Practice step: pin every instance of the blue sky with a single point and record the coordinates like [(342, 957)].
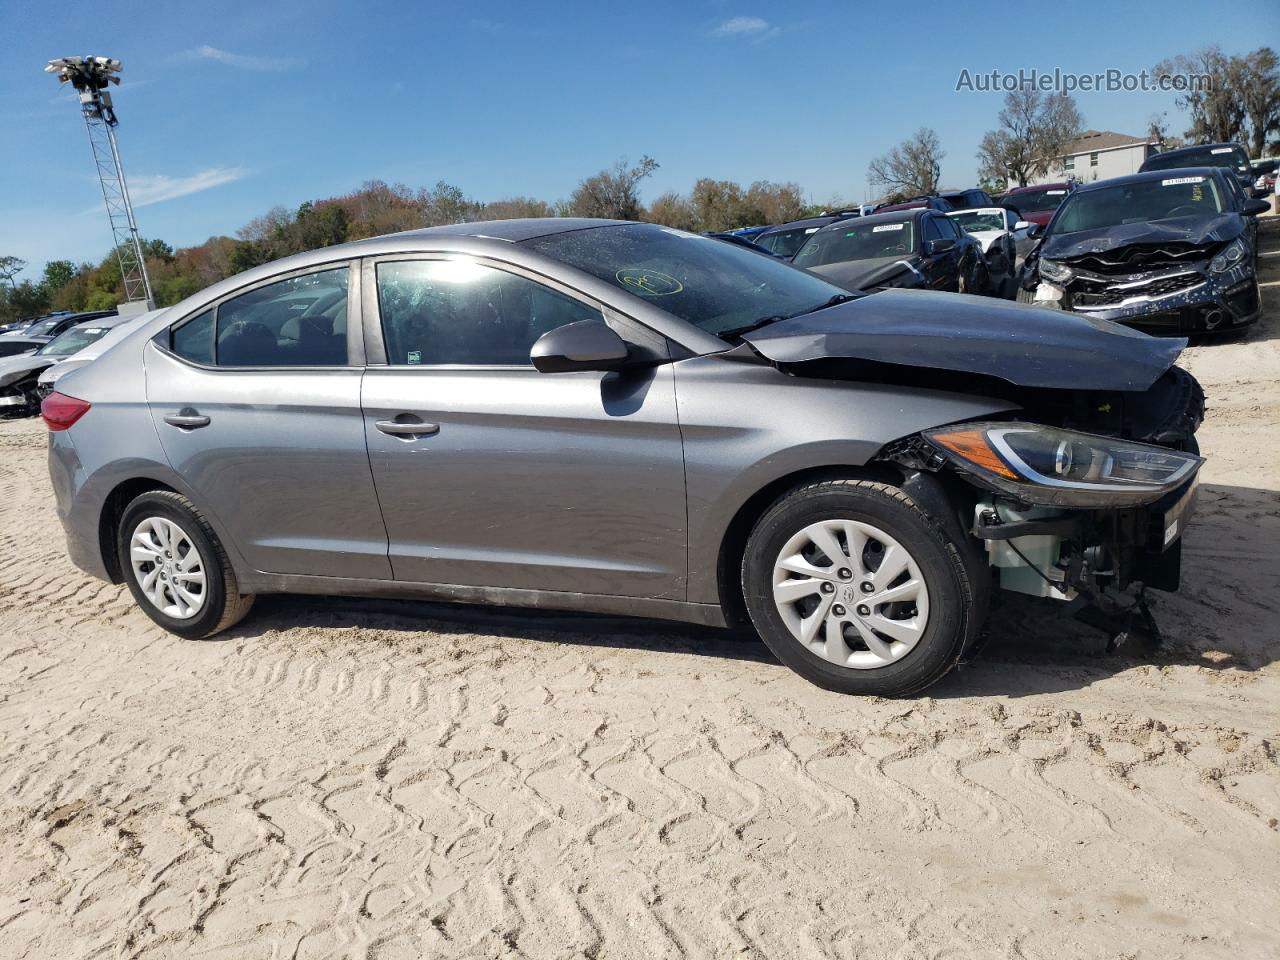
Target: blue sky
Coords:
[(230, 108)]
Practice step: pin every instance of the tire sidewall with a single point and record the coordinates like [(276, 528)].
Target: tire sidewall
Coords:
[(172, 508), (940, 565)]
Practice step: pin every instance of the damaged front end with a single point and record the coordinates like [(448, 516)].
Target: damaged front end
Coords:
[(1203, 283), (1091, 518), (1083, 492)]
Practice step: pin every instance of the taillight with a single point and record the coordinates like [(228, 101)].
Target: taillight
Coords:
[(60, 411)]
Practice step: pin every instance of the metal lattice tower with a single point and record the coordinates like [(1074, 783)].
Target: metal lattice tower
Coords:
[(90, 77)]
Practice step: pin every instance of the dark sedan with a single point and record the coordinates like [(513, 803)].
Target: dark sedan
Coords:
[(1164, 251), (918, 248)]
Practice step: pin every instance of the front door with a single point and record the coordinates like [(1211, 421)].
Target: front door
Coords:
[(258, 408), (492, 474)]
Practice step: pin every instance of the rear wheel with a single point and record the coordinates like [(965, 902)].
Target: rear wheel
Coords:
[(176, 568), (857, 589)]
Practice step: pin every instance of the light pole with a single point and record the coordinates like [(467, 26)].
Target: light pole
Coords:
[(90, 76)]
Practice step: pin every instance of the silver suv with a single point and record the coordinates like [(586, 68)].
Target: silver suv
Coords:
[(617, 417)]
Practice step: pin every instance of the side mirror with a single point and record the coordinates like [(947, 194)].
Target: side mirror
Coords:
[(1023, 225), (1254, 207), (585, 345), (941, 245)]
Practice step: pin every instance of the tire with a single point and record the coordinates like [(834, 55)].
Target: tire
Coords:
[(163, 519), (981, 280), (1025, 296), (942, 615)]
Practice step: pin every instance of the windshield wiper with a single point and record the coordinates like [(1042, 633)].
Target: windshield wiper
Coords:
[(765, 321), (753, 325)]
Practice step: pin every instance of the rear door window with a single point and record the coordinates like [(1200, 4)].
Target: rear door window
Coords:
[(193, 340)]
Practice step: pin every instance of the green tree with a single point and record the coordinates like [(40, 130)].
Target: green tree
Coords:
[(10, 267), (57, 274)]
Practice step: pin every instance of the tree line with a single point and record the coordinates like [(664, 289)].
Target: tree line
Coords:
[(1242, 103)]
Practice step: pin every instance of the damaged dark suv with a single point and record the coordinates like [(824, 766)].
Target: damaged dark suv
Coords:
[(1164, 251), (628, 419)]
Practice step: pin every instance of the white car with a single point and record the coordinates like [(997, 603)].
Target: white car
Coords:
[(1004, 242), (119, 330)]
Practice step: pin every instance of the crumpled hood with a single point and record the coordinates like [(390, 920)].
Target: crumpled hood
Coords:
[(1026, 346), (859, 274), (1197, 231), (13, 369)]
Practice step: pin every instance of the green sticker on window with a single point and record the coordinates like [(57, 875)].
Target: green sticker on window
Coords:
[(649, 283), (415, 356)]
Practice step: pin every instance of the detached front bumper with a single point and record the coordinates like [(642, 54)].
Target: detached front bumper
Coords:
[(1183, 299)]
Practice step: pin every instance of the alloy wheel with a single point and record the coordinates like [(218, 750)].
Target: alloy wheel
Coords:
[(851, 594), (168, 568)]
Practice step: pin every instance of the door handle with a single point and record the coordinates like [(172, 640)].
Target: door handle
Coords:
[(186, 419), (414, 428)]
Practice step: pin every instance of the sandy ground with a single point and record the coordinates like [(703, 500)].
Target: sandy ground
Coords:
[(349, 778)]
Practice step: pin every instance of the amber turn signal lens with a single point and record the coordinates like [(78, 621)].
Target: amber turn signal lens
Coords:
[(973, 446)]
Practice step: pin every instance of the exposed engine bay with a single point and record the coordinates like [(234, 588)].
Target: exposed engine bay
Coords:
[(1082, 492)]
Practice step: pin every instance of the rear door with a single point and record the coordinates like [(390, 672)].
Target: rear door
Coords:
[(490, 473), (256, 400)]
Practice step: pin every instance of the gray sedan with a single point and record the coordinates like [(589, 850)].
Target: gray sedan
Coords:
[(615, 417)]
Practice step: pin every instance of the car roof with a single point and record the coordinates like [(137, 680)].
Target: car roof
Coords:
[(1061, 185), (513, 231), (802, 224), (893, 216), (1197, 147), (1149, 175)]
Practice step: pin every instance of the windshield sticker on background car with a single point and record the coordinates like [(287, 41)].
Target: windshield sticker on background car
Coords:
[(1176, 181), (1221, 150), (1055, 193), (883, 227), (649, 283)]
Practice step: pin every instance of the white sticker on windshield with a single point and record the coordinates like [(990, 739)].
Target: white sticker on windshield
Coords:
[(1178, 180), (887, 226), (1055, 193), (1221, 150), (812, 229)]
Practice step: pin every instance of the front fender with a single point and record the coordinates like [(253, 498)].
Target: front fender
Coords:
[(748, 426)]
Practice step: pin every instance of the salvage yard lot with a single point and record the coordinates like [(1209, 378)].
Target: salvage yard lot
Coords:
[(348, 777)]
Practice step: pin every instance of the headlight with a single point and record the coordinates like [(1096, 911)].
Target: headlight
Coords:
[(1046, 465), (1232, 254), (1057, 272)]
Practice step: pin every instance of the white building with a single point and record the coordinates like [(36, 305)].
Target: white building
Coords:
[(1097, 155)]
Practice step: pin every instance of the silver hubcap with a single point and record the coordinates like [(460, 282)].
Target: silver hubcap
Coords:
[(168, 568), (851, 594)]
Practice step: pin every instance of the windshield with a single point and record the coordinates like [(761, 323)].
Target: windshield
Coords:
[(785, 243), (857, 241), (1202, 157), (1139, 202), (974, 221), (1037, 201), (713, 285), (43, 328), (73, 341)]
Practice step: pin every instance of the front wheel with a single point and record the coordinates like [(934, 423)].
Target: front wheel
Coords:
[(176, 568), (852, 585)]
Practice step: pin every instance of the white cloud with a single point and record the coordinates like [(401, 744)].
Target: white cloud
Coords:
[(741, 27), (147, 189), (238, 60)]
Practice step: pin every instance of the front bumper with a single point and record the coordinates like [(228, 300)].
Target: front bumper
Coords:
[(1183, 299)]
